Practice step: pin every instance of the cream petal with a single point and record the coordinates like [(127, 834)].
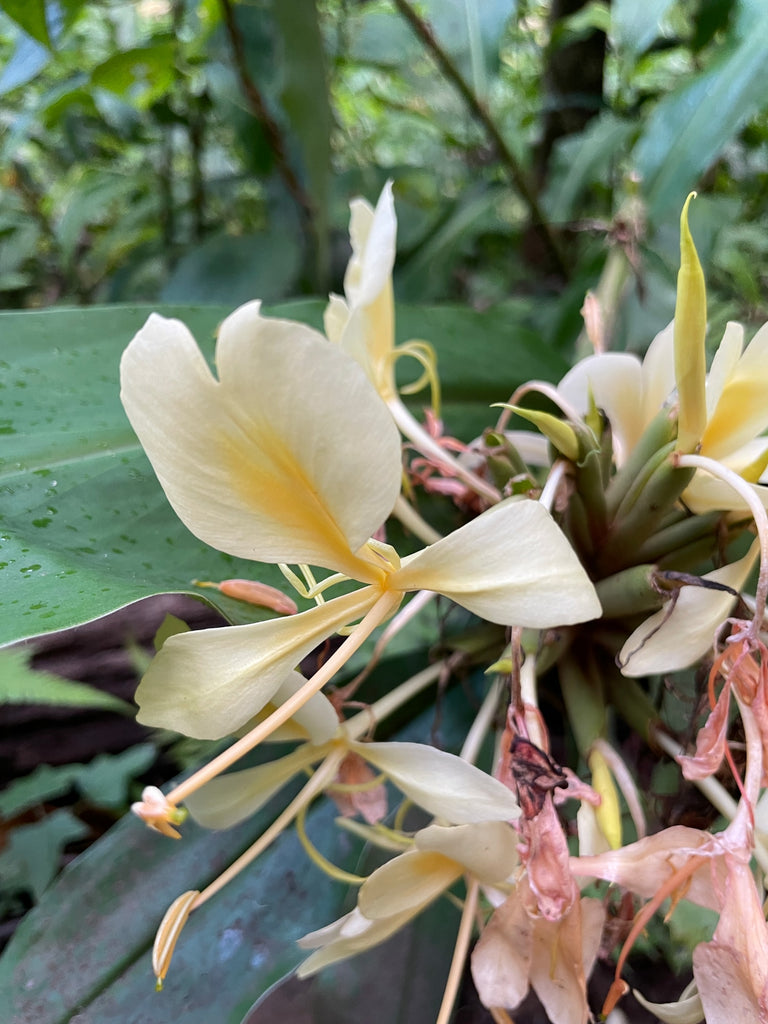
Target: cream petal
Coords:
[(360, 221), (511, 565), (209, 682), (669, 641), (335, 318), (346, 453), (487, 849), (742, 411), (442, 783), (407, 883), (369, 338), (687, 1009), (317, 716), (316, 720), (265, 463), (615, 381), (532, 448), (372, 234), (346, 937), (724, 363), (707, 493), (229, 799), (744, 460), (354, 343), (658, 372)]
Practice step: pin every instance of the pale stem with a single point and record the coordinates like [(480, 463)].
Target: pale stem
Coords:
[(390, 702), (482, 723), (325, 773), (412, 521), (460, 950), (413, 430), (555, 478), (541, 387), (745, 491), (373, 618), (529, 698)]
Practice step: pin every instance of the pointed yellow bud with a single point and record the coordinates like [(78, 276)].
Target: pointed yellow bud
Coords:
[(608, 814), (690, 328)]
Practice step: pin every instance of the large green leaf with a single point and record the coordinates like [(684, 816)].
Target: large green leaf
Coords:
[(84, 525), (403, 979), (84, 954), (86, 949)]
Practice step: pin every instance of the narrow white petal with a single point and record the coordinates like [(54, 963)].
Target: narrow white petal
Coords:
[(350, 935), (669, 641), (687, 1010), (706, 493), (511, 565), (659, 373), (210, 682), (229, 799), (335, 318), (266, 463), (742, 411), (533, 448), (442, 783), (724, 362), (373, 234)]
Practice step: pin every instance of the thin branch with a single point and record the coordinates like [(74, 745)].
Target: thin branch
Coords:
[(260, 112), (519, 178)]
